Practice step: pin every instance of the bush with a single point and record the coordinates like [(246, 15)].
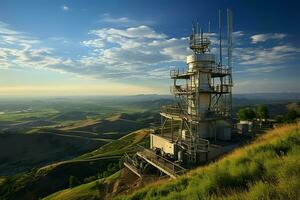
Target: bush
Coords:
[(291, 116), (90, 179), (246, 114)]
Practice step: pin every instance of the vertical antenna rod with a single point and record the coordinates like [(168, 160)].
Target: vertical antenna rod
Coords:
[(209, 32), (229, 38), (220, 37)]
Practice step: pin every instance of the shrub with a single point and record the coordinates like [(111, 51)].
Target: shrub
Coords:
[(246, 114)]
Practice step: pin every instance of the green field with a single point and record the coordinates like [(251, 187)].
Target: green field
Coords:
[(51, 130)]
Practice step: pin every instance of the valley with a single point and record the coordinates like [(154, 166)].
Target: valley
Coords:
[(50, 142)]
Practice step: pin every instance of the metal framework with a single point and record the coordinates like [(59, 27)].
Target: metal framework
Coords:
[(201, 113), (139, 162), (202, 94)]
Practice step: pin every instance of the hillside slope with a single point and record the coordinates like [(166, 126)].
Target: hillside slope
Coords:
[(104, 188), (51, 178), (269, 168), (38, 149)]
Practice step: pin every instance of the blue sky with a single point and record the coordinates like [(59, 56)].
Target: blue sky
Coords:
[(112, 47)]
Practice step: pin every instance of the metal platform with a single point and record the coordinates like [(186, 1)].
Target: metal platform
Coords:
[(162, 164)]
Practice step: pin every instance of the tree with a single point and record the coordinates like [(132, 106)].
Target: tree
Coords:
[(262, 112), (291, 116), (246, 114), (73, 181)]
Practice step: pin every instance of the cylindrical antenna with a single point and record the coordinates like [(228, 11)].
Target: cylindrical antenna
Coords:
[(220, 37)]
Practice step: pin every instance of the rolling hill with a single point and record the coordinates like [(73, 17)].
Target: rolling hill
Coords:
[(54, 177), (38, 149), (44, 143), (268, 168)]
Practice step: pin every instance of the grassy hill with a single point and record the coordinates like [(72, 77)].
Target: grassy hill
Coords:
[(44, 143), (119, 147), (269, 168), (85, 191), (22, 152), (52, 178)]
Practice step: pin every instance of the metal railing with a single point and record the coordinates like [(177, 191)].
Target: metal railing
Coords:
[(220, 70), (215, 69), (202, 145), (181, 89), (222, 88), (171, 109), (161, 162), (179, 72), (197, 41)]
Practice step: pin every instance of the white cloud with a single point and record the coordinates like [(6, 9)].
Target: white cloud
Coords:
[(18, 50), (132, 32), (136, 53), (265, 56), (253, 58), (65, 8), (132, 52), (5, 30), (267, 69), (109, 19), (263, 85), (122, 21), (268, 36)]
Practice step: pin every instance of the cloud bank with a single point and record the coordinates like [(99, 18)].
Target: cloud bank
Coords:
[(138, 53)]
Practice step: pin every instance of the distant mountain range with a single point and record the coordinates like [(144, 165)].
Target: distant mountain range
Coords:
[(271, 96)]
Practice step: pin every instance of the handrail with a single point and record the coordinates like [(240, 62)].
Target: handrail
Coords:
[(172, 109), (157, 160), (214, 69)]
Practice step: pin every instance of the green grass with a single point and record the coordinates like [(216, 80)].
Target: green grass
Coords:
[(54, 177), (2, 179), (84, 191), (267, 169), (120, 146), (15, 117)]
